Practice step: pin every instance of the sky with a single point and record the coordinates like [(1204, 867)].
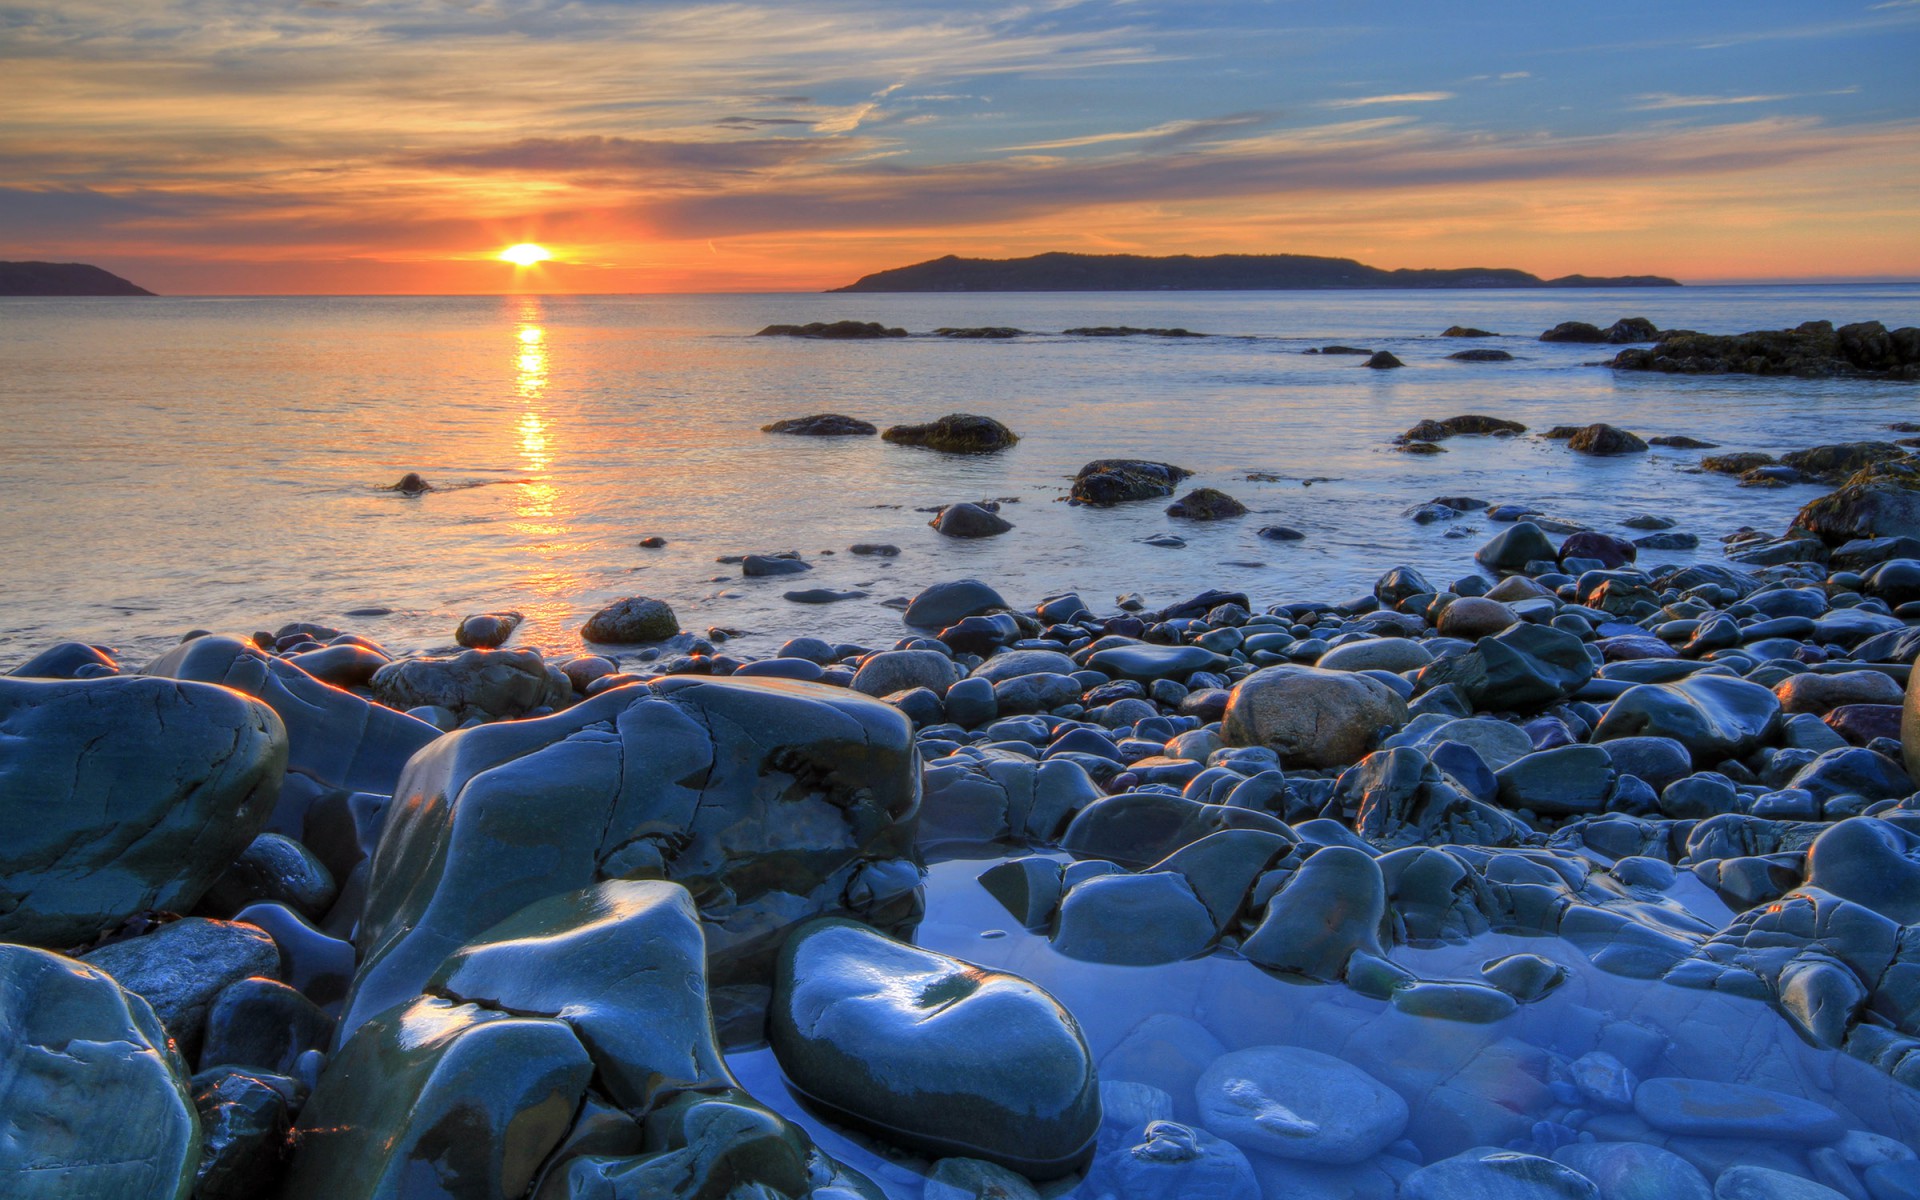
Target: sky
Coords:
[(396, 146)]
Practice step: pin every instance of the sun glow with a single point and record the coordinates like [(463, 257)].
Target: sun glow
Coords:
[(525, 254)]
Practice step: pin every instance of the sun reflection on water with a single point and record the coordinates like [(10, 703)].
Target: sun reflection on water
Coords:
[(541, 514)]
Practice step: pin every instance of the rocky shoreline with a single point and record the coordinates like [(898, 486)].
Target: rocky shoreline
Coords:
[(1568, 877)]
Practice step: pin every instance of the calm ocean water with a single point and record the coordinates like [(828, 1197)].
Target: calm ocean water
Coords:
[(180, 463)]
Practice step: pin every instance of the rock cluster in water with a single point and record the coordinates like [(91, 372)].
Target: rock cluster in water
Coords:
[(310, 920), (1814, 350)]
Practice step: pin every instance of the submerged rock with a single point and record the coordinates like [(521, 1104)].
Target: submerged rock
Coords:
[(932, 1054), (1206, 504), (1603, 440), (822, 425), (1299, 1104)]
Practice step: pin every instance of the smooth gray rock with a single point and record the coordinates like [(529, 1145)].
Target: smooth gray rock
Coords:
[(122, 794), (1871, 862), (1525, 667), (1138, 920), (1146, 663), (1716, 717), (333, 736), (943, 604), (772, 801), (438, 1099), (180, 967), (931, 1054), (623, 963), (893, 671), (489, 684), (1310, 717), (1301, 1104), (1566, 781), (276, 869), (96, 1105), (1331, 908), (969, 521)]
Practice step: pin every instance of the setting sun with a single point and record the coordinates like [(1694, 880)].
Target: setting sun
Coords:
[(525, 254)]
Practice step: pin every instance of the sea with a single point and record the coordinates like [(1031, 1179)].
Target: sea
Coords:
[(173, 464), (227, 463)]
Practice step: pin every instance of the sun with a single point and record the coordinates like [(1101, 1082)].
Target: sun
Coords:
[(525, 254)]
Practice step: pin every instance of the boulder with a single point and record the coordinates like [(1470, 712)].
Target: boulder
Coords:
[(1328, 911), (956, 433), (1878, 501), (1604, 440), (635, 619), (1206, 504), (1469, 423), (623, 963), (123, 793), (487, 631), (183, 965), (490, 684), (1716, 717), (1512, 549), (772, 801), (834, 330), (334, 737), (96, 1100), (931, 1054), (1109, 481), (1312, 717), (1139, 920), (822, 425), (438, 1098), (1575, 331), (944, 604), (1524, 667), (893, 671), (969, 521)]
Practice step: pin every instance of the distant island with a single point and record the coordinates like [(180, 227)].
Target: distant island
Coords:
[(63, 279), (1187, 273)]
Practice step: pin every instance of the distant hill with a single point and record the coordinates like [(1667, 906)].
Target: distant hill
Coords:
[(1186, 273), (63, 279)]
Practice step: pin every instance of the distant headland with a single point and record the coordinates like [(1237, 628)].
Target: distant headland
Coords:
[(1220, 272), (63, 279)]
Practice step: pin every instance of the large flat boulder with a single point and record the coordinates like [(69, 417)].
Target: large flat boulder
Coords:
[(123, 794), (772, 801)]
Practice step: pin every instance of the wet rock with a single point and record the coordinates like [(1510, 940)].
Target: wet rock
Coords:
[(822, 425), (1299, 1104), (1575, 331), (435, 1090), (1527, 666), (1562, 782), (1610, 551), (1715, 717), (1511, 550), (1206, 504), (1466, 331), (1813, 350), (489, 684), (1870, 862), (1382, 360), (892, 671), (623, 963), (1147, 663), (1481, 356), (487, 631), (944, 604), (834, 330), (765, 566), (68, 660), (97, 1106), (1474, 617), (264, 1025), (1399, 798), (1109, 481), (182, 966), (956, 433), (772, 801), (1312, 717), (1605, 440), (1470, 423), (1820, 694), (1140, 920), (1138, 829), (1749, 1182), (634, 619), (1879, 501), (969, 521), (124, 794), (244, 1121), (1328, 911), (931, 1054)]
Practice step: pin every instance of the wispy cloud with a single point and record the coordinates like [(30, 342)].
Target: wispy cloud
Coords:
[(1395, 98), (1658, 101), (1168, 131)]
